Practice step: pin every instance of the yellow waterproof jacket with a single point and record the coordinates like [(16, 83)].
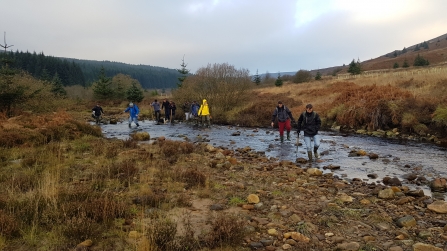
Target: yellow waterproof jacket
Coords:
[(204, 109)]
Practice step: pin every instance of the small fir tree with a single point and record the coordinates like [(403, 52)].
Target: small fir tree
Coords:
[(405, 65), (404, 50), (318, 76), (417, 48), (57, 87), (278, 81), (420, 61), (256, 78), (354, 67), (396, 65), (134, 94), (102, 88), (184, 73)]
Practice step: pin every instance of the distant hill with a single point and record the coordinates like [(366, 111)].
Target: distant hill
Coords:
[(150, 77), (436, 53)]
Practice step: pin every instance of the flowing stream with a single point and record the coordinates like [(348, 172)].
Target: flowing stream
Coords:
[(396, 158)]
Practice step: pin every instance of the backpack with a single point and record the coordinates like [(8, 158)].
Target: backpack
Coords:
[(305, 117)]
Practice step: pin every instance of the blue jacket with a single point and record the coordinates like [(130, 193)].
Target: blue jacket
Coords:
[(194, 109), (134, 111)]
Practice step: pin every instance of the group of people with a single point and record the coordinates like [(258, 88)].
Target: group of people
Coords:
[(192, 110), (309, 121), (167, 106)]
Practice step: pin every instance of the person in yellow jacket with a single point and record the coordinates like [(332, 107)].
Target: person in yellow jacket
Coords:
[(204, 112)]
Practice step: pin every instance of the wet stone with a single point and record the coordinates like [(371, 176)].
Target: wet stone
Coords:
[(256, 245), (216, 207), (266, 242), (406, 221)]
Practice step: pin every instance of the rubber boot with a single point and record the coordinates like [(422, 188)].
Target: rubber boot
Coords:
[(288, 135), (309, 154), (281, 138), (317, 156)]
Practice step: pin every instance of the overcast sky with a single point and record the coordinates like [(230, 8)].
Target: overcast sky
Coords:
[(264, 35)]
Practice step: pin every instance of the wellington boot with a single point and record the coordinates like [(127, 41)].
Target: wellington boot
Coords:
[(281, 138), (317, 156), (288, 136), (309, 154)]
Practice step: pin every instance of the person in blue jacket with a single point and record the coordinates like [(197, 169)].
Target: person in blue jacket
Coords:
[(133, 114)]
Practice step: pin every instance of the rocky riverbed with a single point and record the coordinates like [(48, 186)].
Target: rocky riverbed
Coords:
[(372, 195)]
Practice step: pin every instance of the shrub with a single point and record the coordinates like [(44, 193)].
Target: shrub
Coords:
[(302, 76), (140, 136), (440, 115), (124, 170), (409, 120), (8, 225), (226, 230), (79, 228), (130, 143), (162, 233), (193, 178), (152, 199), (420, 129)]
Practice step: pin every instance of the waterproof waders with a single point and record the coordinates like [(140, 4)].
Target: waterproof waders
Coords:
[(309, 154), (317, 156)]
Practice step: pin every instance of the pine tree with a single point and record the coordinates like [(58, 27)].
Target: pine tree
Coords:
[(11, 92), (184, 73), (425, 45), (134, 94), (405, 65), (57, 86), (396, 65), (395, 54), (417, 48), (45, 76), (404, 50), (256, 78), (318, 76), (278, 81), (102, 89), (420, 61), (354, 68)]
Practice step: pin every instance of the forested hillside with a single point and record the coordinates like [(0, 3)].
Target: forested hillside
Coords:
[(46, 67), (85, 72), (150, 77)]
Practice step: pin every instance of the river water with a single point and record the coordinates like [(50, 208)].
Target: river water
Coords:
[(396, 158)]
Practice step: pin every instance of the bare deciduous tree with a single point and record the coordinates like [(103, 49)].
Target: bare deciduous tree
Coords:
[(221, 84)]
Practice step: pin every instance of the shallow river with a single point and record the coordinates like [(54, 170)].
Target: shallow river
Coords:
[(396, 158)]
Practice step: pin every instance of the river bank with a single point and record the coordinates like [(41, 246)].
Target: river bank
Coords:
[(338, 202)]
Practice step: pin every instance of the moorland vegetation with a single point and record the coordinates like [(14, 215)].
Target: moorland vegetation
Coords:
[(66, 186)]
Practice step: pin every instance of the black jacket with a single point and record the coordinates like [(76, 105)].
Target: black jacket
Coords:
[(98, 110), (310, 123)]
